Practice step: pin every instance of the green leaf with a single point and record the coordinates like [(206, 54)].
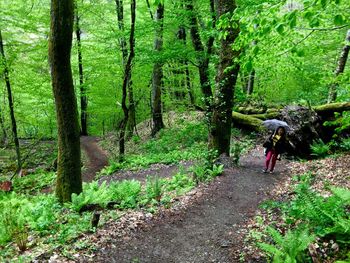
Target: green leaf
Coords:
[(338, 20), (249, 66), (323, 3), (280, 29), (293, 22), (308, 15)]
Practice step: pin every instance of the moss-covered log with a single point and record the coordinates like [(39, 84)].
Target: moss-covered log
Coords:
[(246, 121), (329, 109), (267, 115)]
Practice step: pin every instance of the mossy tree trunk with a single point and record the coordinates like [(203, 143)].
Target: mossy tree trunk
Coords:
[(83, 95), (157, 75), (226, 77), (68, 166), (10, 101)]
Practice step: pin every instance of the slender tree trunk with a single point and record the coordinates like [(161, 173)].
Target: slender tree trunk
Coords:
[(60, 44), (202, 55), (3, 137), (10, 101), (332, 96), (244, 81), (250, 84), (226, 77), (182, 36), (131, 124), (157, 75), (83, 95), (126, 80)]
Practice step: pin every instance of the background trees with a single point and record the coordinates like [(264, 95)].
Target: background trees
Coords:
[(297, 48)]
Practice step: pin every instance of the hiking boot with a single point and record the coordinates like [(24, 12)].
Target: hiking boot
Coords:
[(271, 172), (264, 171)]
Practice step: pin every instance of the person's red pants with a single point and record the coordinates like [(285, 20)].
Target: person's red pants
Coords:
[(271, 156)]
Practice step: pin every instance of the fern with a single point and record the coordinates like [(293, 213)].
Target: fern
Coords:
[(289, 248), (320, 149)]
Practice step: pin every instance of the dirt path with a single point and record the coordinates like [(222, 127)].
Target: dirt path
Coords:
[(97, 158), (209, 230)]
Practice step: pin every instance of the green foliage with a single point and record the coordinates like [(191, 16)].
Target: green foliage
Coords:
[(34, 182), (288, 248), (320, 149), (309, 215), (126, 193), (180, 182), (185, 141), (154, 188), (345, 144), (240, 147), (93, 193), (203, 174)]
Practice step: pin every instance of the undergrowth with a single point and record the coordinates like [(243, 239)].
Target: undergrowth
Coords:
[(186, 141), (309, 221), (48, 222)]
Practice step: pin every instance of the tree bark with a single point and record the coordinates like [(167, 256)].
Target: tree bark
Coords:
[(157, 75), (332, 96), (10, 101), (131, 124), (83, 95), (126, 80), (203, 57), (226, 77), (60, 44)]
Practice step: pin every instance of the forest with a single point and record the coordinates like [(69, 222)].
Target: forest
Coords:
[(150, 131)]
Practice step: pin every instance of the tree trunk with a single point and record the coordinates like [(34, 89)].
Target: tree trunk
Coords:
[(60, 44), (126, 80), (131, 124), (221, 121), (332, 96), (10, 101), (250, 84), (83, 95), (3, 137), (181, 34), (157, 75), (202, 56)]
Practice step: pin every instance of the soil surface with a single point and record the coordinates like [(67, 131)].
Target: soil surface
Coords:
[(96, 156), (209, 229)]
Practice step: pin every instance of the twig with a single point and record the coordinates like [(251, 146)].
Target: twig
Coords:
[(323, 29), (286, 51)]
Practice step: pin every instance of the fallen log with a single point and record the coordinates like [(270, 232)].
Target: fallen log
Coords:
[(306, 123), (325, 111), (329, 109), (247, 122)]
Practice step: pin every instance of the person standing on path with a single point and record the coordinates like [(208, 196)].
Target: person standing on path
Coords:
[(275, 145)]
